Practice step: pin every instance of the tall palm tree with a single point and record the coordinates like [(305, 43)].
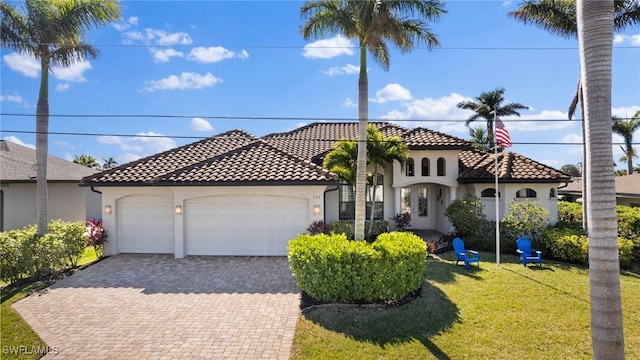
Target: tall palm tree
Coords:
[(342, 160), (595, 19), (480, 139), (51, 31), (87, 160), (380, 153), (109, 163), (373, 23), (626, 130), (560, 18), (485, 105)]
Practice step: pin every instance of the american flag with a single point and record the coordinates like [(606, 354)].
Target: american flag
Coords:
[(502, 134)]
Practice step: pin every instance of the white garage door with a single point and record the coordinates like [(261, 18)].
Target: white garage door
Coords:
[(243, 225), (145, 224)]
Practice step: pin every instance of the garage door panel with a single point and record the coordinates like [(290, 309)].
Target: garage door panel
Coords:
[(145, 224), (243, 225)]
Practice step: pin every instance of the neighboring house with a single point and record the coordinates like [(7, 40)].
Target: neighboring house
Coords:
[(627, 190), (67, 200), (235, 194)]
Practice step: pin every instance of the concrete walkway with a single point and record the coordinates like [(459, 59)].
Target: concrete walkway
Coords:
[(159, 307)]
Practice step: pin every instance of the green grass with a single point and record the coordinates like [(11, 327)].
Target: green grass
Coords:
[(488, 313), (14, 331)]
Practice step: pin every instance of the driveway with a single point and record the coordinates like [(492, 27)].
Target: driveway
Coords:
[(158, 307)]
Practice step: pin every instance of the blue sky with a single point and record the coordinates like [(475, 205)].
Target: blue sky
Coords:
[(222, 65)]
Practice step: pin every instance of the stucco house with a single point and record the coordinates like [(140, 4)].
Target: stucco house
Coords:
[(627, 190), (236, 194), (67, 200)]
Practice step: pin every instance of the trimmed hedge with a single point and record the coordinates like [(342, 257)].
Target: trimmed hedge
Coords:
[(23, 254), (330, 268)]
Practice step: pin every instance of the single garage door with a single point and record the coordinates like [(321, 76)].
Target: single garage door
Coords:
[(243, 225), (145, 224)]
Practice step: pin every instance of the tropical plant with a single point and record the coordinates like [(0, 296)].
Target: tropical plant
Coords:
[(373, 23), (86, 160), (626, 130), (109, 163), (97, 236), (527, 218), (381, 153), (488, 105), (480, 139), (342, 160), (572, 170), (595, 19), (51, 31)]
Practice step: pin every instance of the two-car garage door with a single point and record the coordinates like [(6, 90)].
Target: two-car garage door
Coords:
[(243, 224), (217, 225)]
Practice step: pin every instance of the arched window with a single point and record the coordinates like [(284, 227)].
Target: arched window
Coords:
[(410, 167), (552, 193), (442, 167), (526, 193), (489, 193), (426, 164)]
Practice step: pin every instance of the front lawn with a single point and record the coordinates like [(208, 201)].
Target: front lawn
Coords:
[(488, 313), (18, 340)]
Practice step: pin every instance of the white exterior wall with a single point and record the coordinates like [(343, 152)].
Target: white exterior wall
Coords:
[(508, 194), (110, 195), (67, 201)]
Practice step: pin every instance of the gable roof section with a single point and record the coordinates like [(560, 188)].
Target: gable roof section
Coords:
[(477, 166), (257, 162), (146, 170), (18, 164), (425, 139)]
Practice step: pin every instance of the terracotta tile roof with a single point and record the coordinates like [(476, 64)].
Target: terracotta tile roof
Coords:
[(258, 162), (425, 139), (478, 166), (18, 164), (146, 170)]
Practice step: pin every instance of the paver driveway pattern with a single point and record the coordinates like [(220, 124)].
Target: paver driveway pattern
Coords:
[(158, 307)]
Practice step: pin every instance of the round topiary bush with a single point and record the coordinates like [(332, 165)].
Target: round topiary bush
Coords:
[(330, 268)]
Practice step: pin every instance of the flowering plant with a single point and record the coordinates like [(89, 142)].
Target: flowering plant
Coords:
[(97, 236)]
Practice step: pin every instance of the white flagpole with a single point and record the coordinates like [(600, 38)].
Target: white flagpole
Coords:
[(497, 193)]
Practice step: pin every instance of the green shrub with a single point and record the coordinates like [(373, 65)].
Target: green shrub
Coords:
[(14, 258), (379, 227), (527, 218), (569, 211), (343, 227), (467, 216), (629, 227), (331, 268)]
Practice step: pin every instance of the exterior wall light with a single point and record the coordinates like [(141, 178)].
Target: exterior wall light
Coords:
[(316, 209), (107, 209), (178, 209)]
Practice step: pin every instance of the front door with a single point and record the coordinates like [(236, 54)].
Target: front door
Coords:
[(415, 201)]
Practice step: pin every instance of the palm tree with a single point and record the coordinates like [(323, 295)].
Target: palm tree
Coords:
[(626, 130), (480, 139), (572, 170), (109, 163), (51, 31), (342, 160), (595, 19), (372, 23), (560, 18), (380, 153), (87, 160), (485, 105)]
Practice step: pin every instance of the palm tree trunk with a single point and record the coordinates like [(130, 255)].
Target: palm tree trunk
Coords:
[(361, 171), (595, 35), (374, 182), (42, 148), (629, 154)]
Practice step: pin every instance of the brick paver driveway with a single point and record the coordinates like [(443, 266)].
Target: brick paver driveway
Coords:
[(159, 307)]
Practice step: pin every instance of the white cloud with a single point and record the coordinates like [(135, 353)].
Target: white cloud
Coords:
[(124, 25), (342, 70), (73, 72), (443, 109), (186, 80), (15, 140), (635, 40), (392, 92), (164, 55), (63, 87), (143, 144), (617, 39), (625, 112), (328, 48), (214, 54), (348, 103), (158, 37), (13, 99), (200, 124), (23, 63)]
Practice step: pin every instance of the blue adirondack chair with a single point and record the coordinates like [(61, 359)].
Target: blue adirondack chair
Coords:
[(466, 256), (527, 254)]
